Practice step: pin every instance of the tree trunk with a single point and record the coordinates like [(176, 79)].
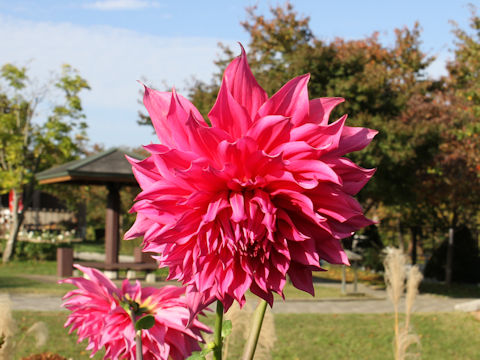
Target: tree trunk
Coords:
[(17, 220), (414, 230), (448, 265), (400, 236)]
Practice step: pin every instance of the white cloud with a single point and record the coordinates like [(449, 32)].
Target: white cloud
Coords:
[(108, 5), (111, 59)]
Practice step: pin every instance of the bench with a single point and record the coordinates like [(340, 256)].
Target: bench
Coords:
[(111, 270), (142, 262)]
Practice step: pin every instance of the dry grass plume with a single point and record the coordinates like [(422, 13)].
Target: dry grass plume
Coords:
[(395, 275), (8, 329)]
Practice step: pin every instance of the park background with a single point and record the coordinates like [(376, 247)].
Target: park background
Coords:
[(410, 70)]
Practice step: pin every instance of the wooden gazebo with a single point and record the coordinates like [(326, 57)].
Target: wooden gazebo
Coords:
[(109, 168)]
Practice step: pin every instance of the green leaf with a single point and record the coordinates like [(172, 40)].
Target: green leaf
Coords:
[(145, 322), (208, 349), (226, 328)]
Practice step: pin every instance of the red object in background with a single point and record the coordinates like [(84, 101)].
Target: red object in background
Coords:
[(10, 202)]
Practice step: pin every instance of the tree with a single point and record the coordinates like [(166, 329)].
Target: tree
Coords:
[(464, 82), (447, 189), (427, 128), (377, 82), (29, 144)]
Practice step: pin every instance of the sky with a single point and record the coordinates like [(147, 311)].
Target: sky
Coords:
[(114, 43)]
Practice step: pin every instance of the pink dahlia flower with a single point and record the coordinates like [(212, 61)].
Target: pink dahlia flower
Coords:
[(263, 193), (98, 315)]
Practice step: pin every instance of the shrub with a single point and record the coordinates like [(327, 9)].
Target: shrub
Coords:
[(35, 251)]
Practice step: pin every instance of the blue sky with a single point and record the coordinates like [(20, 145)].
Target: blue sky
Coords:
[(113, 43)]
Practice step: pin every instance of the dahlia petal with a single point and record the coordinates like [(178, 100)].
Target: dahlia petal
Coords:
[(260, 277), (168, 113), (294, 201), (297, 150), (324, 138), (265, 295), (270, 131), (290, 101), (243, 86), (139, 227), (304, 252), (336, 204), (225, 280), (144, 171), (344, 229), (331, 250), (206, 276), (97, 277), (314, 169), (215, 207), (277, 281), (354, 139), (204, 140), (237, 204), (353, 176), (321, 108), (228, 115), (196, 302), (301, 278), (280, 263)]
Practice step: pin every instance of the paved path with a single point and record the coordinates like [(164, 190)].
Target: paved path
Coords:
[(376, 301), (424, 303)]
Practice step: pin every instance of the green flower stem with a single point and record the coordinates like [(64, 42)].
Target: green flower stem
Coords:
[(138, 335), (217, 335), (257, 322), (138, 347)]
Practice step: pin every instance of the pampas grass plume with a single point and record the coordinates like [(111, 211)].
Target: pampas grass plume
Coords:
[(395, 275), (7, 328)]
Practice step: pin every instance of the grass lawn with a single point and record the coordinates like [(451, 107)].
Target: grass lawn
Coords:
[(368, 336), (40, 277), (310, 336), (33, 277)]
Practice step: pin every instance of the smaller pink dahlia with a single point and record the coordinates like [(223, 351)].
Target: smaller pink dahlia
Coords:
[(99, 315)]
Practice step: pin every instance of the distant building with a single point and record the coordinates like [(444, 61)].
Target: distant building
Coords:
[(46, 213)]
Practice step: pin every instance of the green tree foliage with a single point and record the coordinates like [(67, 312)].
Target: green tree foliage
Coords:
[(376, 81), (36, 132), (455, 112), (464, 82), (427, 150)]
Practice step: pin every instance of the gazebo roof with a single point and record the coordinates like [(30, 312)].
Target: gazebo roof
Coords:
[(107, 167)]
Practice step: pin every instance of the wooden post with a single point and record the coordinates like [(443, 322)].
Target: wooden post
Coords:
[(142, 257), (112, 235), (64, 262), (448, 266), (344, 279)]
